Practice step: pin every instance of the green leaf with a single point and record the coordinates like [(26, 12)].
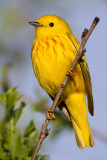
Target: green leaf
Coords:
[(8, 116), (37, 157), (44, 156), (30, 128), (2, 155), (30, 142), (11, 96), (32, 139), (40, 157), (18, 112), (22, 104), (3, 99), (14, 145), (5, 70), (27, 158)]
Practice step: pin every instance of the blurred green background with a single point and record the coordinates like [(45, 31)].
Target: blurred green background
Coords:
[(16, 38)]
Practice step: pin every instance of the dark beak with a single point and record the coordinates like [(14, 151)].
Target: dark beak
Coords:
[(36, 24)]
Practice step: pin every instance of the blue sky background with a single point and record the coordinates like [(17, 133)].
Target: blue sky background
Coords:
[(16, 37)]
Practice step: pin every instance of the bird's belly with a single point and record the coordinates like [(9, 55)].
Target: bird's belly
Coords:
[(50, 69), (50, 73)]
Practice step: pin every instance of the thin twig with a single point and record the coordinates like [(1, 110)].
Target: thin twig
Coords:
[(100, 135), (44, 131)]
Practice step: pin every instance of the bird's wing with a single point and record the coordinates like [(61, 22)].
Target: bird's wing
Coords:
[(88, 84), (86, 75)]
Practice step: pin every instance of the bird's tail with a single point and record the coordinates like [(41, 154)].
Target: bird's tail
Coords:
[(77, 107), (79, 135)]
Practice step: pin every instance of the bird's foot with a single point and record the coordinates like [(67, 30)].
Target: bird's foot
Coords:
[(50, 116), (70, 73)]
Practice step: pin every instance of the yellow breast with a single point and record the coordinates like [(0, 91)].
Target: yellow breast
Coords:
[(50, 58)]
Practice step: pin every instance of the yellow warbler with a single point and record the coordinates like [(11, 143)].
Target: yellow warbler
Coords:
[(53, 52)]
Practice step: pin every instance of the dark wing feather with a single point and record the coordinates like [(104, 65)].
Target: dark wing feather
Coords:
[(86, 74), (88, 84)]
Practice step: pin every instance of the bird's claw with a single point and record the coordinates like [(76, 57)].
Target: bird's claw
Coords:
[(50, 115), (70, 73)]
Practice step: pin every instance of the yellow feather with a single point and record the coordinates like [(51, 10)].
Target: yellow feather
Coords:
[(79, 118), (53, 51)]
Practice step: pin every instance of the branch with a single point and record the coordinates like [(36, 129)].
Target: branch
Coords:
[(44, 131), (100, 135)]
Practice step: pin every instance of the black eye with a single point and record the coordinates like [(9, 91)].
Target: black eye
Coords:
[(51, 24)]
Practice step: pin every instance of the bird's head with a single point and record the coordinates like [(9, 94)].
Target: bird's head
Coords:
[(50, 25)]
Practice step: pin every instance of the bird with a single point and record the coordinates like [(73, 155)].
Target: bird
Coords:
[(53, 51)]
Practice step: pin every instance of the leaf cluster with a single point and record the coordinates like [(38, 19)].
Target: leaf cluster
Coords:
[(13, 145)]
